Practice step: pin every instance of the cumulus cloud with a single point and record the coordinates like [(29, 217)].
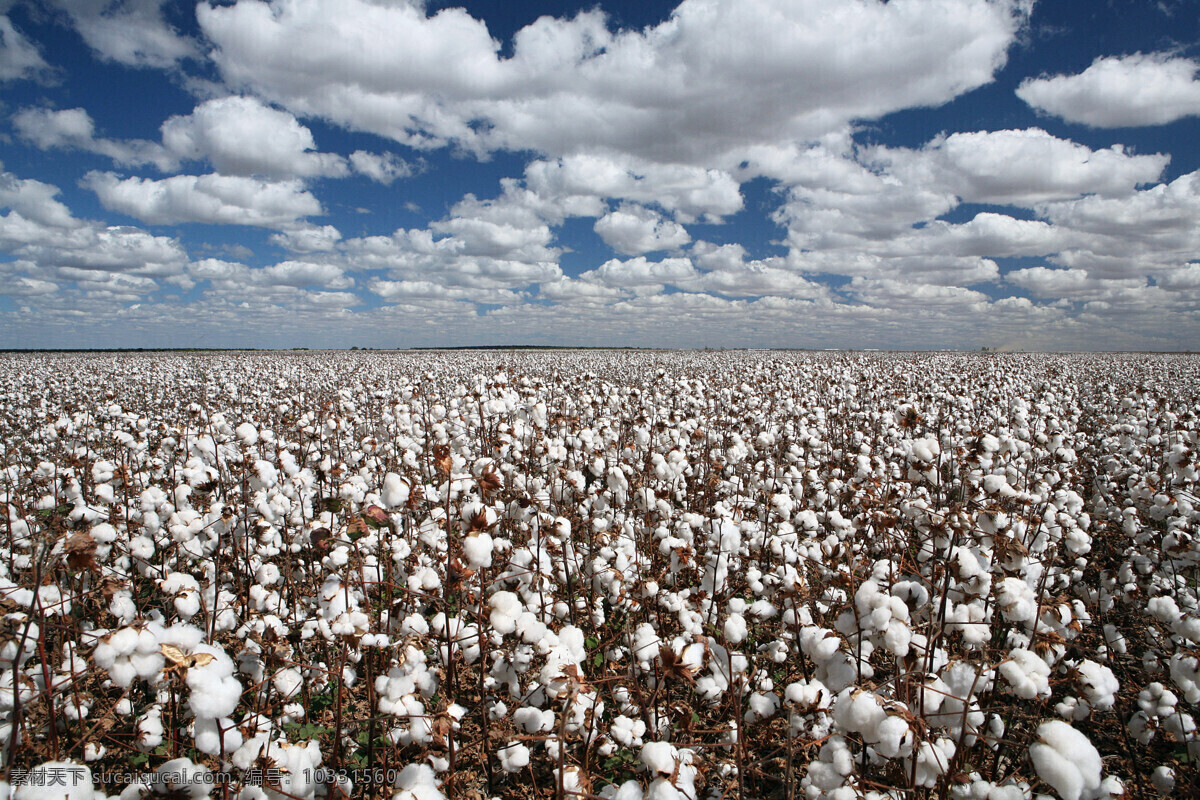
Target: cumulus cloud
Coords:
[(1120, 91), (73, 128), (307, 273), (1019, 167), (19, 57), (381, 167), (242, 136), (678, 92), (578, 183), (633, 229), (308, 239), (130, 32), (213, 199)]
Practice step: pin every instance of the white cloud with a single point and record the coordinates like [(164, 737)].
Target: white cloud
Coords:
[(1120, 91), (241, 136), (474, 261), (214, 199), (682, 91), (576, 183), (1019, 167), (642, 275), (35, 201), (307, 273), (308, 239), (130, 32), (381, 167), (633, 230), (73, 128), (19, 57)]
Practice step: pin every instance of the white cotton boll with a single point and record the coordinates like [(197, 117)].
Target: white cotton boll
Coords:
[(859, 711), (933, 759), (1163, 778), (1099, 684), (1028, 674), (629, 790), (212, 740), (417, 782), (247, 434), (395, 491), (506, 606), (150, 729), (184, 779), (735, 629), (215, 692), (533, 720), (267, 575), (57, 780), (513, 757), (297, 764), (627, 732), (891, 733), (659, 758), (761, 706), (414, 625), (1066, 760), (477, 548), (1017, 600), (288, 682)]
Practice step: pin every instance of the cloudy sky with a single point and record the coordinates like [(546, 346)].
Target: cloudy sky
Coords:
[(763, 173)]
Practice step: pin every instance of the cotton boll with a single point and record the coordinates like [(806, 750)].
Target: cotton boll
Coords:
[(213, 740), (288, 682), (215, 692), (513, 757), (297, 765), (1163, 778), (735, 629), (57, 780), (1066, 760), (659, 758), (477, 548), (417, 782), (505, 608), (395, 491), (1026, 673), (1017, 600), (184, 779), (1098, 683), (247, 434)]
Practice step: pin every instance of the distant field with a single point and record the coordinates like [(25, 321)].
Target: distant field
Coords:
[(627, 574)]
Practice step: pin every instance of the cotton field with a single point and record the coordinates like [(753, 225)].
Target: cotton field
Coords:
[(627, 575)]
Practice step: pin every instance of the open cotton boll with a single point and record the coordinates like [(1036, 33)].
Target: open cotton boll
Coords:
[(297, 764), (1163, 779), (513, 757), (215, 692), (1067, 760), (533, 720), (247, 434), (213, 740), (506, 606), (477, 548), (182, 778), (735, 629), (1026, 673), (417, 782), (1017, 600), (288, 682), (57, 780), (395, 491), (1099, 684)]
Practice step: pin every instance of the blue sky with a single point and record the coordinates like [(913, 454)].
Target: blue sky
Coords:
[(722, 173)]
